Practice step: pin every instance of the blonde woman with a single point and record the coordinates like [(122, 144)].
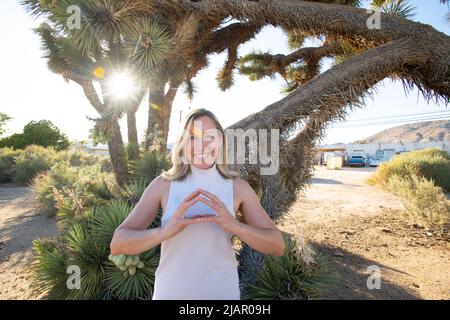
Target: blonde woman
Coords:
[(199, 197)]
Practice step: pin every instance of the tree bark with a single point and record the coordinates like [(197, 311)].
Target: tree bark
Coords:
[(156, 121), (133, 143)]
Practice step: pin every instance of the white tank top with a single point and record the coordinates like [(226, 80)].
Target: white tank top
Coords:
[(199, 262)]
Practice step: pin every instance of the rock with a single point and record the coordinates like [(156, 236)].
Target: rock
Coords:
[(418, 226), (416, 285), (429, 234)]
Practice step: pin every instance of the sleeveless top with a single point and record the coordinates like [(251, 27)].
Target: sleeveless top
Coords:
[(199, 262)]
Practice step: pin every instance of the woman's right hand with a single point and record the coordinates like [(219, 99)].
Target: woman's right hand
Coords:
[(177, 222)]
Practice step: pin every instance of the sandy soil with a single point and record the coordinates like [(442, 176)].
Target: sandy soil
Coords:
[(19, 226), (358, 226)]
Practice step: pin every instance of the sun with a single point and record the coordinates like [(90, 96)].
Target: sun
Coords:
[(121, 86)]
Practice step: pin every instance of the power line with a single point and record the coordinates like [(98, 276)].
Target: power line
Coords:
[(438, 117), (403, 115)]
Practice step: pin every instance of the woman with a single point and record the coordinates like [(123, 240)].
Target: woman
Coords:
[(199, 197)]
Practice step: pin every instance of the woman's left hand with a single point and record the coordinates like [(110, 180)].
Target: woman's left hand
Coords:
[(223, 218)]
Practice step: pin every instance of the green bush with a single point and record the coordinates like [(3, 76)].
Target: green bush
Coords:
[(33, 160), (72, 189), (77, 158), (15, 141), (422, 198), (7, 160), (43, 133), (86, 245), (289, 277), (149, 166), (431, 164)]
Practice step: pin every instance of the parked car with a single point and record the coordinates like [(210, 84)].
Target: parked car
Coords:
[(357, 161), (374, 162)]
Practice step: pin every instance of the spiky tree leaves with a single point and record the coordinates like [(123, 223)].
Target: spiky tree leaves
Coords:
[(400, 8), (84, 247), (290, 277), (49, 266), (137, 286), (151, 48), (89, 255)]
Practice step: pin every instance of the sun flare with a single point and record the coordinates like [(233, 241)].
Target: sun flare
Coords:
[(121, 86)]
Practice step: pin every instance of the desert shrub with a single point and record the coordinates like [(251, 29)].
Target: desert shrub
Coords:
[(422, 198), (31, 161), (7, 160), (432, 164), (291, 276), (86, 245), (78, 158), (65, 186)]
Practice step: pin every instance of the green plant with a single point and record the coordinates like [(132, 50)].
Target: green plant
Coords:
[(290, 277), (78, 158), (49, 266), (43, 133), (7, 160), (31, 161), (134, 190), (149, 165), (429, 163), (73, 187), (86, 245), (422, 198)]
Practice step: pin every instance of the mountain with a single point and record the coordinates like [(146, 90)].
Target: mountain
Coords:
[(425, 131)]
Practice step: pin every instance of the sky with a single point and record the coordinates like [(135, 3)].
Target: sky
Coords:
[(30, 92)]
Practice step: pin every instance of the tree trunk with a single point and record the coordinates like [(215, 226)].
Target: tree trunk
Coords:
[(156, 121), (118, 154), (160, 109), (133, 144), (116, 147)]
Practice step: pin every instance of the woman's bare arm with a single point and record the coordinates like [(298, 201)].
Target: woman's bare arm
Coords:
[(258, 231), (132, 236)]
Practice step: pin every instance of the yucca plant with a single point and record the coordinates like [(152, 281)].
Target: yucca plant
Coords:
[(149, 166), (138, 286), (86, 244), (90, 255), (49, 266), (133, 191), (289, 277)]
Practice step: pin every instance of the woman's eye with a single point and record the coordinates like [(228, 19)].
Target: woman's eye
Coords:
[(209, 138)]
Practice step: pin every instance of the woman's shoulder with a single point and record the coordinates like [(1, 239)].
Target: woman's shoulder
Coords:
[(160, 184), (241, 185)]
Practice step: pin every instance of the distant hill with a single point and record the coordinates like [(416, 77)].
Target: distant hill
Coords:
[(438, 130)]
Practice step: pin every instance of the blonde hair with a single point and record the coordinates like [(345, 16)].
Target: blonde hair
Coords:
[(181, 169)]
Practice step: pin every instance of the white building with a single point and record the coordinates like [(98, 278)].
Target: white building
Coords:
[(382, 151), (87, 146)]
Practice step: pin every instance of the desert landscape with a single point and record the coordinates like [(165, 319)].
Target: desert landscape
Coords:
[(354, 224)]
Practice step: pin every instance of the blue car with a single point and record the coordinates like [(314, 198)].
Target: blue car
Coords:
[(357, 161)]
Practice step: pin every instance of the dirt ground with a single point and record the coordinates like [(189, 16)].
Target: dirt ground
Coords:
[(19, 226), (354, 224), (357, 226)]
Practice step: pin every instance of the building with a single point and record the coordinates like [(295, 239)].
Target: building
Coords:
[(383, 151), (87, 146)]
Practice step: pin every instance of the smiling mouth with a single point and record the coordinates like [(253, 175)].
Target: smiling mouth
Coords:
[(202, 155)]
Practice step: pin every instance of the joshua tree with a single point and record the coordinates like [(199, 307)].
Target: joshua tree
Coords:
[(369, 47)]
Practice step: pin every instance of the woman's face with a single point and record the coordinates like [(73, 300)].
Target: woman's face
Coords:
[(203, 142)]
